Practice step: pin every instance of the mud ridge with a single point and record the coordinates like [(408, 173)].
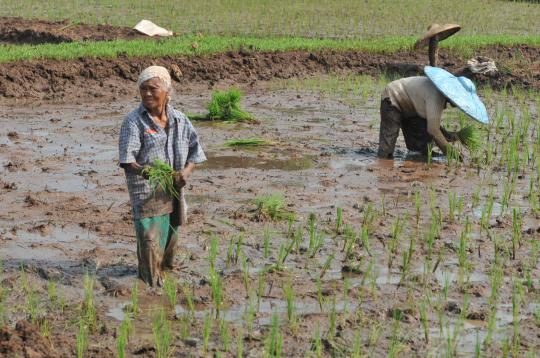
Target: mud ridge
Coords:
[(108, 78), (17, 30)]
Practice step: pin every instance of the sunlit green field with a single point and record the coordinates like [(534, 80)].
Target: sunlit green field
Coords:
[(315, 18)]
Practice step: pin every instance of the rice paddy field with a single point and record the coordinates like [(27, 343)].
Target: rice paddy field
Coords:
[(300, 242)]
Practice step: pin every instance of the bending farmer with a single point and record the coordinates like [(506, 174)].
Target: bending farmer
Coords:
[(156, 131), (415, 105)]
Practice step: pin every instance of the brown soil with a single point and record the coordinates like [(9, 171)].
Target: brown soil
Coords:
[(90, 78), (17, 30), (24, 341)]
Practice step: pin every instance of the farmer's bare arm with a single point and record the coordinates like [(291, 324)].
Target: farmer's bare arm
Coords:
[(188, 169)]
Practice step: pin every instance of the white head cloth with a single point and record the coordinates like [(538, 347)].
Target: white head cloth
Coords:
[(153, 72)]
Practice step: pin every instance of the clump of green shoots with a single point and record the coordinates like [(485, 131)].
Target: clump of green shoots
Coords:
[(288, 291), (161, 328), (274, 342), (470, 137), (88, 309), (169, 285), (270, 206), (160, 176), (123, 335), (225, 106), (82, 338)]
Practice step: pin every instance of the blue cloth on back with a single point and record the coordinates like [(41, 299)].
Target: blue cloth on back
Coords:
[(460, 90)]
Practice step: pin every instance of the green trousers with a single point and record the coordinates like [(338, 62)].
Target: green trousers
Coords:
[(156, 244)]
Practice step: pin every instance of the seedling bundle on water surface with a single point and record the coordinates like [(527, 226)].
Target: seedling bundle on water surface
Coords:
[(248, 142), (225, 106), (160, 175)]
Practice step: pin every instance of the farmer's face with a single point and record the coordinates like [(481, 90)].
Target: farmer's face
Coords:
[(154, 94)]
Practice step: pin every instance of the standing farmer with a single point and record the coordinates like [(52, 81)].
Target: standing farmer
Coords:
[(156, 131), (415, 105)]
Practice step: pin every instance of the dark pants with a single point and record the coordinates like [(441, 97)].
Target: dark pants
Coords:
[(414, 130)]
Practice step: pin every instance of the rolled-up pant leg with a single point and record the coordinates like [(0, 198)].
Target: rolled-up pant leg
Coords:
[(389, 130)]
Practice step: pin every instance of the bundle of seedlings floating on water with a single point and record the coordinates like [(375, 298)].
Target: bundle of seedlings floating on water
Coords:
[(248, 142), (160, 175), (225, 106), (470, 138)]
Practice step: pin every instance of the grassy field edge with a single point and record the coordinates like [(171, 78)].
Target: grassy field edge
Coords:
[(205, 45)]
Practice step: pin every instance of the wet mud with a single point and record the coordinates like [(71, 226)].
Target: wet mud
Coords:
[(67, 214)]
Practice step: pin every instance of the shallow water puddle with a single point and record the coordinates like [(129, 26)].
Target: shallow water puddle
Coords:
[(232, 162)]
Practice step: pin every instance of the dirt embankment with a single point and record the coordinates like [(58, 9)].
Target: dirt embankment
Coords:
[(88, 78), (17, 30)]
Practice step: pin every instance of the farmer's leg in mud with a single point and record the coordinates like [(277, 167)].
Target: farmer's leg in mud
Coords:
[(389, 130), (416, 134), (153, 237), (169, 248)]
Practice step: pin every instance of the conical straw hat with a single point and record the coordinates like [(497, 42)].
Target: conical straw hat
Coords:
[(460, 90), (440, 31)]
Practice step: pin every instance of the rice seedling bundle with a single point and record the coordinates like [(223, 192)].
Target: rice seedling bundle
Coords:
[(470, 137), (225, 106), (160, 175), (248, 142)]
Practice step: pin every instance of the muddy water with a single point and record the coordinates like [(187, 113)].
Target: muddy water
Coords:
[(67, 209)]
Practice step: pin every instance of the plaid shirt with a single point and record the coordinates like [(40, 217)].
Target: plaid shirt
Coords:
[(143, 141)]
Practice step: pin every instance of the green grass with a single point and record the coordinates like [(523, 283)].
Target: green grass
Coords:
[(304, 18), (216, 44)]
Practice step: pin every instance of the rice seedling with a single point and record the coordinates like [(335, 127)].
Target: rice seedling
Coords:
[(32, 308), (169, 285), (298, 238), (516, 302), (250, 317), (537, 315), (160, 176), (261, 286), (3, 297), (516, 231), (240, 344), (469, 136), (452, 205), (245, 273), (423, 310), (274, 342), (477, 348), (161, 329), (463, 244), (52, 292), (188, 295), (225, 106), (357, 345), (429, 154), (346, 286), (212, 251), (224, 332), (332, 318), (327, 265), (230, 252), (123, 336), (82, 338), (88, 309), (339, 219), (288, 291), (349, 242), (312, 222), (317, 342), (216, 286), (247, 142), (320, 297), (271, 206), (267, 242)]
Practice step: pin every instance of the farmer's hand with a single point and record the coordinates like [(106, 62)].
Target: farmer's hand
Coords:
[(449, 136), (179, 179)]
